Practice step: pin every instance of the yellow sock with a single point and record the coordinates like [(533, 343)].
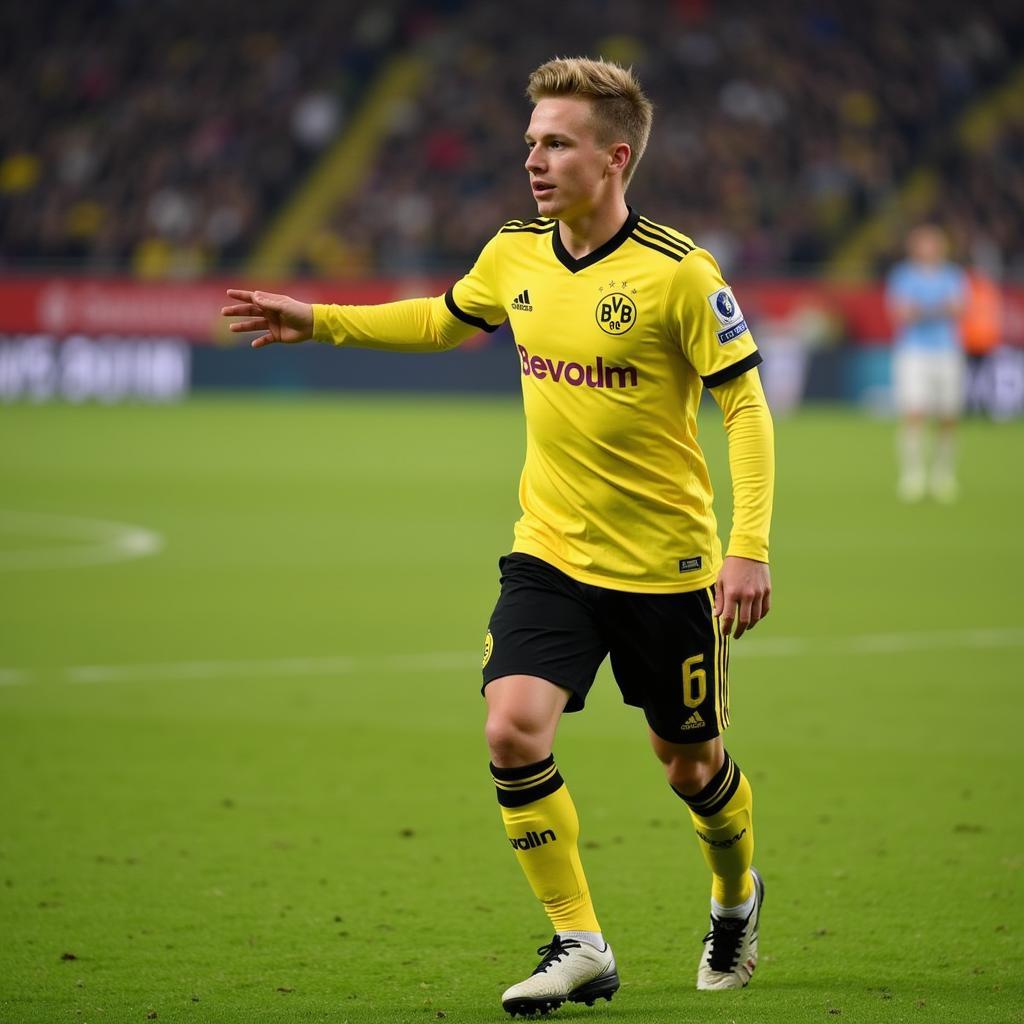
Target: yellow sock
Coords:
[(542, 827), (721, 814)]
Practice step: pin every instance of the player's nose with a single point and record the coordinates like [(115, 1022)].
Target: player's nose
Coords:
[(533, 162)]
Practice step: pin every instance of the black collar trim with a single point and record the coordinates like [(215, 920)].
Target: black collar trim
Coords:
[(573, 265)]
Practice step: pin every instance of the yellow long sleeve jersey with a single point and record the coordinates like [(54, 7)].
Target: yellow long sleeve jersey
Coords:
[(614, 350)]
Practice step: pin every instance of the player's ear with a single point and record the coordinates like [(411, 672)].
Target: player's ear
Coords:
[(618, 157)]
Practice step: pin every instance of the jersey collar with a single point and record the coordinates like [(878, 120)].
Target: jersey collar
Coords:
[(573, 265)]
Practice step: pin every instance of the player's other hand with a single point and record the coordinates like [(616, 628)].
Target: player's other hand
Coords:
[(280, 317), (742, 594)]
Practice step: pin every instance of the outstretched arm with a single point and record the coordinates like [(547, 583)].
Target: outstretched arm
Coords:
[(743, 591), (411, 325), (471, 305)]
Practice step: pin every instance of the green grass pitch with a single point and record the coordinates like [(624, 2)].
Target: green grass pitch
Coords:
[(243, 777)]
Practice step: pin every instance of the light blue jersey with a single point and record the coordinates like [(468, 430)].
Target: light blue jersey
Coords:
[(929, 289)]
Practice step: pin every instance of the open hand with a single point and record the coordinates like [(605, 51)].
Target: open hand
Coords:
[(282, 318)]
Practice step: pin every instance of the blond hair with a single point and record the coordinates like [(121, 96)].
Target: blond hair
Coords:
[(622, 113)]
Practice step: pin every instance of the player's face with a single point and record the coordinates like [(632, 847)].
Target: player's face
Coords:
[(927, 244), (570, 172)]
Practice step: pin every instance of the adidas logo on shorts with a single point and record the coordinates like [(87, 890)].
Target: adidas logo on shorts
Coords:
[(693, 722)]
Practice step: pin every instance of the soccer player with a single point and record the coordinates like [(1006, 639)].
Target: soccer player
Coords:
[(620, 323), (925, 296)]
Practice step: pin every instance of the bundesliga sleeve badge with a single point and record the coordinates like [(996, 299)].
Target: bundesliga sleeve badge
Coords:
[(724, 305)]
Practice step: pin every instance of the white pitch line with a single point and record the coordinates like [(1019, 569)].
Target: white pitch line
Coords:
[(205, 670), (444, 661), (878, 643), (332, 665), (91, 541)]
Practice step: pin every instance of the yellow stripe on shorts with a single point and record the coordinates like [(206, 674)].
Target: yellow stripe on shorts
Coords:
[(721, 682)]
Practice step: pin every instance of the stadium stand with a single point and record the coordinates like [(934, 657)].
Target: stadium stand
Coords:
[(779, 127), (161, 138), (158, 136)]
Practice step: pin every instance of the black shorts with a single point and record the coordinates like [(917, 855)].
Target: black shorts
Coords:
[(668, 655)]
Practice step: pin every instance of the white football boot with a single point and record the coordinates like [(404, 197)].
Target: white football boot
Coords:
[(730, 948), (913, 486), (568, 969)]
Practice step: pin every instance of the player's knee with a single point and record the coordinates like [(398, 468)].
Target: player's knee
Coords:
[(688, 776), (513, 740)]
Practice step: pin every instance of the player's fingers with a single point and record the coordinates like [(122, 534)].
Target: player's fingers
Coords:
[(245, 309), (719, 598), (742, 618), (268, 300), (239, 293), (263, 340), (727, 616), (756, 612), (258, 324)]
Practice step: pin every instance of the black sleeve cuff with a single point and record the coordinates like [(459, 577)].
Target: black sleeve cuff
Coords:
[(712, 380), (466, 318)]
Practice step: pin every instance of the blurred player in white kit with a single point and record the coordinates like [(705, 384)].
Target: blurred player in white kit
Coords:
[(925, 295)]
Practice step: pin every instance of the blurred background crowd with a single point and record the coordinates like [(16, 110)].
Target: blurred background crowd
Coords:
[(163, 138), (160, 135)]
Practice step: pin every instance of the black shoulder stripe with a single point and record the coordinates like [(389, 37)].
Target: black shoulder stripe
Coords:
[(467, 318), (677, 256), (664, 239), (668, 243), (516, 223), (527, 230), (712, 380), (659, 231)]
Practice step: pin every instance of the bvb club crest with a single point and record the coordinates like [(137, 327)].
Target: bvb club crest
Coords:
[(615, 313)]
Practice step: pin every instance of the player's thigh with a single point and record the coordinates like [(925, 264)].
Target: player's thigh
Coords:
[(950, 384), (670, 658), (913, 387), (523, 713), (543, 626)]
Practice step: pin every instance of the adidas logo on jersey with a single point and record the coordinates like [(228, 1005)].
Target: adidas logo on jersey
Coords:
[(522, 302), (693, 722)]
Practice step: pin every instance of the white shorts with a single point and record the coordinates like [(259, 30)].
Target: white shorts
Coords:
[(929, 383)]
